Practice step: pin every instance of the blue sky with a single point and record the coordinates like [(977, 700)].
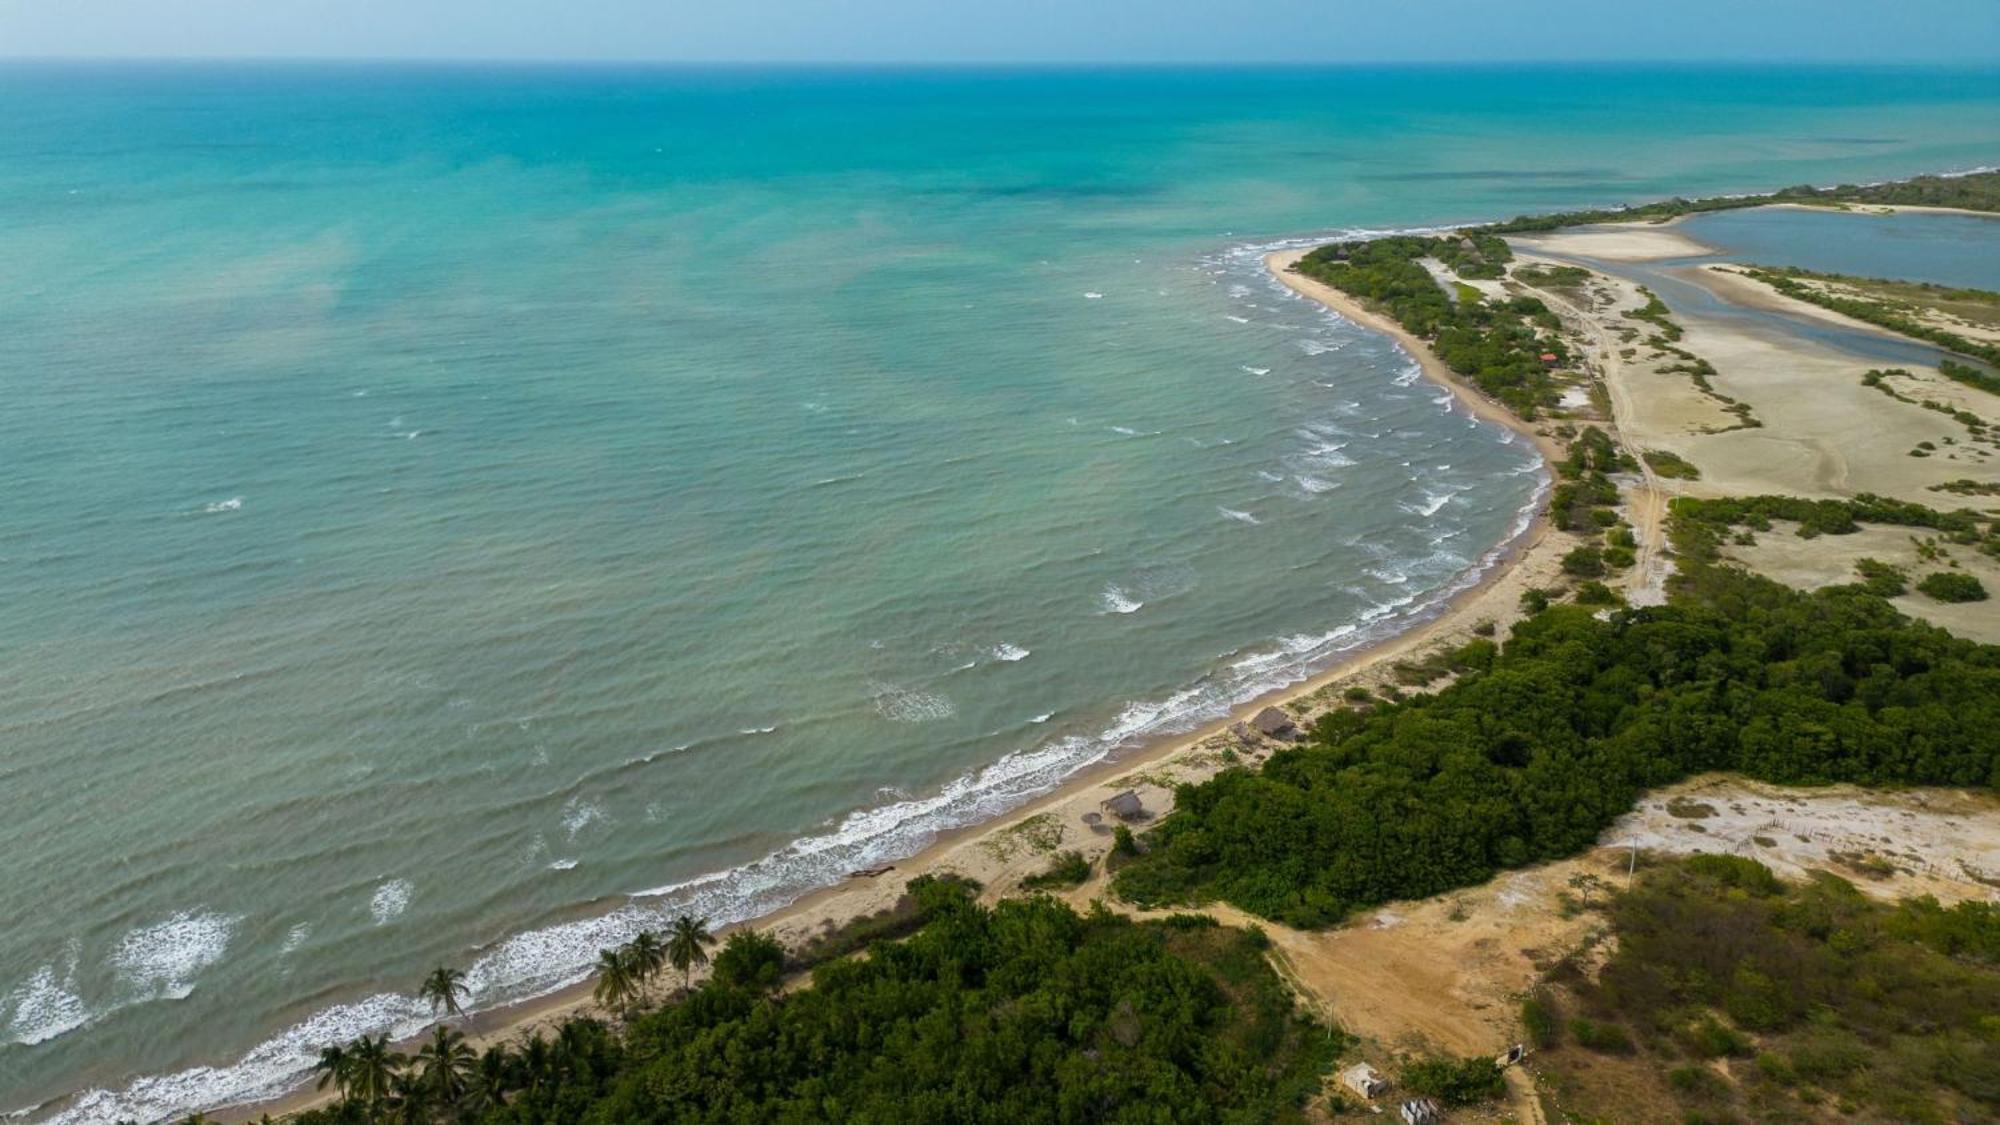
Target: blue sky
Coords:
[(962, 31)]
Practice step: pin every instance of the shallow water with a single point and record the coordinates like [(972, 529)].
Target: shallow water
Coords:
[(454, 513)]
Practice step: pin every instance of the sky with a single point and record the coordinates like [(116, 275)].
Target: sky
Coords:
[(974, 31)]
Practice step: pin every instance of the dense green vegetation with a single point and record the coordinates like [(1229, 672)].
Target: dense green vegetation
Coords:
[(1829, 1004), (1952, 586), (1896, 316), (1977, 192), (1531, 758), (1024, 1012), (1667, 463), (1496, 346)]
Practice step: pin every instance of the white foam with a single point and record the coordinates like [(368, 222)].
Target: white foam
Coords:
[(1043, 717), (764, 730), (389, 900), (1319, 347), (230, 505), (909, 705), (160, 961), (1237, 319), (1269, 477), (1316, 485), (294, 938), (1116, 600), (1239, 516), (561, 864), (47, 1004), (579, 814), (1093, 296), (1010, 653)]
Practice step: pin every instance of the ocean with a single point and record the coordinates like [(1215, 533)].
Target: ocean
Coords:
[(463, 514)]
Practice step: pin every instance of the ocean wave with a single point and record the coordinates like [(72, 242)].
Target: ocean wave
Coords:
[(1093, 296), (47, 1004), (579, 814), (1316, 485), (389, 901), (1010, 653), (160, 961), (1311, 346), (908, 705), (535, 962), (1249, 370), (1114, 599), (234, 503), (1239, 516)]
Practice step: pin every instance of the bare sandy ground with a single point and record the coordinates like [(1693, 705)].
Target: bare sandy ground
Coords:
[(1823, 432), (1616, 242), (1829, 561)]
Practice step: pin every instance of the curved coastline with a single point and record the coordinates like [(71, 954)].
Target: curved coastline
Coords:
[(1488, 591)]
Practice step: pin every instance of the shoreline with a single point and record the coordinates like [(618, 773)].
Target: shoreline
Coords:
[(992, 851)]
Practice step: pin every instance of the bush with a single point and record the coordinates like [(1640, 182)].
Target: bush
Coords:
[(1671, 465), (1880, 578), (1542, 1020), (1594, 592), (1952, 586), (1455, 1082), (750, 959), (1608, 1038), (1122, 842), (1067, 869), (1584, 562)]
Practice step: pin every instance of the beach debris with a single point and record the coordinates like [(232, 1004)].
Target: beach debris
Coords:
[(871, 872)]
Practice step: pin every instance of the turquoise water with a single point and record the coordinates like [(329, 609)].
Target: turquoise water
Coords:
[(462, 514)]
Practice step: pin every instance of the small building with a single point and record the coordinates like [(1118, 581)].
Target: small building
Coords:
[(1364, 1080), (1124, 806), (1275, 723), (1420, 1111)]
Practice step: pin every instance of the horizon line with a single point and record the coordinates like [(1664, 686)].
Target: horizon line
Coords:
[(1003, 63)]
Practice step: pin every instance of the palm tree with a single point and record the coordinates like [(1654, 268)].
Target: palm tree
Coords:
[(685, 942), (490, 1081), (409, 1100), (332, 1069), (444, 1064), (648, 956), (371, 1069), (442, 989), (616, 982)]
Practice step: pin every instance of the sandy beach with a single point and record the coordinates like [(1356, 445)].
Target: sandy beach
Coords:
[(1000, 853)]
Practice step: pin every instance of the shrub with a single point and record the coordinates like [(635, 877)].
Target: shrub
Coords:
[(1952, 586), (1122, 843), (1584, 562), (1542, 1020), (750, 959), (1068, 869), (1880, 578), (1608, 1038), (1455, 1081), (1594, 592)]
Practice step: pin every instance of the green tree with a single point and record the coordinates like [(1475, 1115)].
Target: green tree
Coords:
[(331, 1070), (442, 990), (617, 984), (648, 955), (445, 1066), (372, 1069), (686, 943)]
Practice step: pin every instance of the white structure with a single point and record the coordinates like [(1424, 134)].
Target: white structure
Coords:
[(1364, 1080), (1421, 1111)]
